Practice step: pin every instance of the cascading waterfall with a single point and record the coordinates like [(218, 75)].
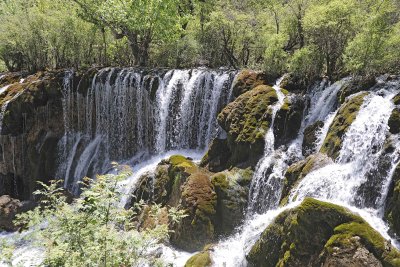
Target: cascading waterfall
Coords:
[(131, 114)]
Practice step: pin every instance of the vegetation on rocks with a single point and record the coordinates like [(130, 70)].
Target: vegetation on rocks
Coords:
[(392, 207), (342, 121), (315, 232)]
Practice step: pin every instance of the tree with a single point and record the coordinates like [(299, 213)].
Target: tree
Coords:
[(329, 27), (142, 22)]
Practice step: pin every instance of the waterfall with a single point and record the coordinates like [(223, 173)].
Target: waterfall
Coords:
[(130, 114)]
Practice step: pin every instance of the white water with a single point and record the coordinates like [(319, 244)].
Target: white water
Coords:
[(121, 118)]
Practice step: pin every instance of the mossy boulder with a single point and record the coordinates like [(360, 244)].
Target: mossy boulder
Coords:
[(392, 207), (232, 188), (293, 84), (310, 137), (9, 208), (246, 80), (394, 121), (163, 186), (288, 119), (342, 121), (199, 200), (310, 235), (201, 259), (355, 85), (217, 155), (297, 171), (246, 121)]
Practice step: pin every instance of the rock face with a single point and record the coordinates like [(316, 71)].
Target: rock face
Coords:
[(342, 121), (355, 85), (317, 233), (32, 124)]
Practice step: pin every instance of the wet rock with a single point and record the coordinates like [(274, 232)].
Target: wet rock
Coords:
[(316, 233), (246, 121), (342, 121), (288, 119), (201, 259), (217, 156), (9, 208), (355, 85), (248, 79), (296, 172), (394, 121), (232, 188), (199, 200), (293, 84), (392, 206), (310, 137)]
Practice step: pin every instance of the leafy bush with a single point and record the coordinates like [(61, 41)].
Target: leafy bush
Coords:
[(94, 230)]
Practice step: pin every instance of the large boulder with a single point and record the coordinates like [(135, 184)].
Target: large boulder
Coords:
[(288, 119), (342, 121), (246, 121), (311, 137), (232, 188), (317, 233), (297, 171), (394, 121), (201, 259), (199, 200), (217, 155), (246, 80)]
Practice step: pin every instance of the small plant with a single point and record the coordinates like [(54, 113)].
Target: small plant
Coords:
[(94, 230)]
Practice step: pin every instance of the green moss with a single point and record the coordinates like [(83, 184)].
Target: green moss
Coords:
[(181, 161), (202, 259), (342, 121), (299, 236)]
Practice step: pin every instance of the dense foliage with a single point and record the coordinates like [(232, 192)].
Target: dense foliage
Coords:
[(309, 38), (93, 230)]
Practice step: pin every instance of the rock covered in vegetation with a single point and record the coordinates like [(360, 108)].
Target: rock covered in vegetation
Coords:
[(201, 259), (310, 137), (249, 79), (293, 84), (217, 156), (394, 121), (297, 171), (392, 207), (288, 119), (232, 188), (317, 233), (342, 121), (246, 121)]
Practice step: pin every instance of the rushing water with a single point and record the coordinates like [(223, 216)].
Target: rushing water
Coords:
[(131, 114)]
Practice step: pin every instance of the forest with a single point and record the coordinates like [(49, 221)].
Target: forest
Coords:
[(309, 38)]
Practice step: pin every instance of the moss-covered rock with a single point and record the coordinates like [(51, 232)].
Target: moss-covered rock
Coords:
[(392, 207), (199, 200), (342, 121), (246, 121), (310, 137), (217, 156), (248, 79), (232, 188), (201, 259), (296, 172), (394, 121), (355, 85), (309, 235), (293, 84), (288, 119)]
